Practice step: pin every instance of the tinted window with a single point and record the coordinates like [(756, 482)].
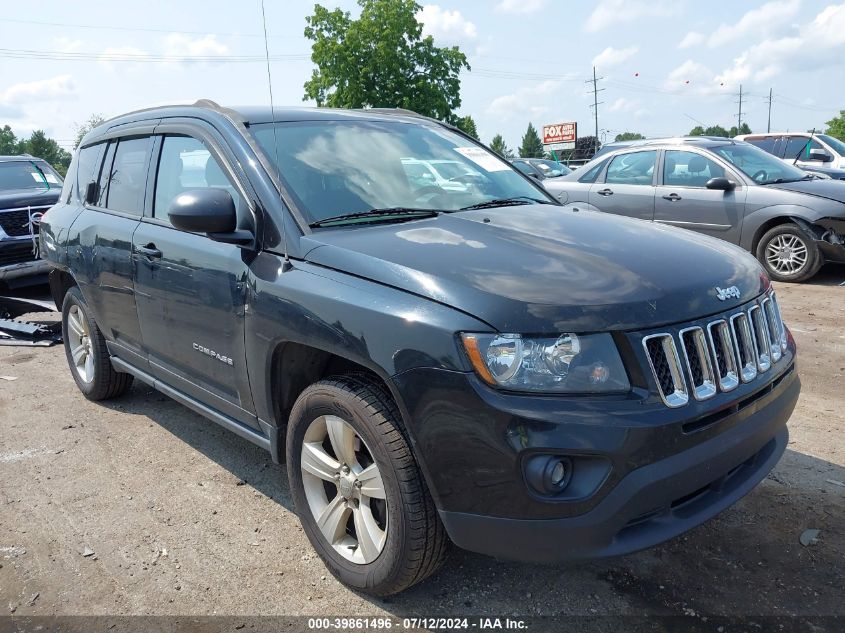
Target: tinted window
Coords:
[(636, 168), (129, 175), (525, 168), (802, 145), (186, 163), (688, 169), (88, 166), (28, 174), (593, 172), (767, 144), (103, 179)]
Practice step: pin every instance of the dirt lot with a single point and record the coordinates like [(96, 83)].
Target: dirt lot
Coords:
[(183, 517)]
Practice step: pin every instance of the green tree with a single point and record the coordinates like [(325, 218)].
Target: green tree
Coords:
[(467, 125), (629, 136), (713, 130), (585, 148), (742, 129), (836, 126), (42, 146), (381, 60), (9, 143), (83, 128), (532, 146), (499, 146)]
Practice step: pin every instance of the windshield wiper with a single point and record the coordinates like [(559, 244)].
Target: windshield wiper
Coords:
[(43, 176), (780, 181), (408, 213), (504, 202)]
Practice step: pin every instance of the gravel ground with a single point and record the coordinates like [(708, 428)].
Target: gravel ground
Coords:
[(139, 506)]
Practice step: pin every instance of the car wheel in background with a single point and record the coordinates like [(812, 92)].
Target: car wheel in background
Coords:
[(87, 355), (357, 489), (788, 254)]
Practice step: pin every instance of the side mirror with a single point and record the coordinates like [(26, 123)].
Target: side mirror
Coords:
[(721, 184), (210, 211), (820, 155), (91, 193)]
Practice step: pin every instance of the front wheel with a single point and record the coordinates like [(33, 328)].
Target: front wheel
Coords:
[(788, 254), (357, 489)]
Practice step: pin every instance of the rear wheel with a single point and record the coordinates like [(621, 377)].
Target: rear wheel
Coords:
[(789, 254), (357, 488), (86, 351)]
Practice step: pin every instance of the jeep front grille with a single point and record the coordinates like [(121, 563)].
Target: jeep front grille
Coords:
[(717, 355)]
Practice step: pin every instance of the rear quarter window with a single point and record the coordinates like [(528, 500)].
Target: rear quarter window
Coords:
[(88, 162)]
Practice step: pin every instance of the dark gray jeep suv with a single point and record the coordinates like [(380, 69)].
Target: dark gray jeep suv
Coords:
[(467, 363)]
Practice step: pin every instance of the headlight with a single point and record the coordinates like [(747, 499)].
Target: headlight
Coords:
[(569, 363)]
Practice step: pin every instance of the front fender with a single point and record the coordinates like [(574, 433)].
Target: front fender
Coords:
[(755, 221)]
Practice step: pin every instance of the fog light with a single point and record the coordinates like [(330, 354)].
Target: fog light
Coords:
[(548, 474)]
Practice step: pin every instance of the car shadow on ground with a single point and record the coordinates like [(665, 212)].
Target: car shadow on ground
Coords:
[(748, 560)]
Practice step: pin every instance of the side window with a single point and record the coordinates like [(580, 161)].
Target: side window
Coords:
[(88, 166), (103, 177), (186, 163), (636, 168), (688, 169), (797, 144), (593, 172), (525, 168), (766, 143), (129, 175)]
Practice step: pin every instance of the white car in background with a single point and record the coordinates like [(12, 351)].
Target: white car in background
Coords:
[(815, 153)]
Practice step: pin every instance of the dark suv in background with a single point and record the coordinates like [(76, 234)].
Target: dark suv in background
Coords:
[(471, 364), (28, 187)]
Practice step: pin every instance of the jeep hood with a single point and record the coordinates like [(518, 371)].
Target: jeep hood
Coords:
[(829, 189), (542, 269), (17, 198)]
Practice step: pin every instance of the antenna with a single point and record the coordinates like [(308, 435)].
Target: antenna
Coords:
[(287, 265)]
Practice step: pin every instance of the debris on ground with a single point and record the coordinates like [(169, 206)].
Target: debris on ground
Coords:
[(9, 378), (32, 599), (87, 552), (836, 482), (809, 537)]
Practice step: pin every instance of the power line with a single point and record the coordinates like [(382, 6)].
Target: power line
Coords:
[(140, 57)]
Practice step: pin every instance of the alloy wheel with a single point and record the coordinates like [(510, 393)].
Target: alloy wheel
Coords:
[(79, 341), (344, 489), (786, 254)]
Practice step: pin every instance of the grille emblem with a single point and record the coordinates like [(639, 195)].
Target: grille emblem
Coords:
[(726, 293)]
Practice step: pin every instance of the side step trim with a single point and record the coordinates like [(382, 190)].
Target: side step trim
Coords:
[(185, 400)]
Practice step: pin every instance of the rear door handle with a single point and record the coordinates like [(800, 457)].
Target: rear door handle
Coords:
[(672, 197), (149, 250), (605, 192)]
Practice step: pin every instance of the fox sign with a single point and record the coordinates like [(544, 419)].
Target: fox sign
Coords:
[(560, 134)]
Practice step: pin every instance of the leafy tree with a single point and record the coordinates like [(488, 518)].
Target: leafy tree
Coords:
[(499, 146), (742, 129), (629, 136), (381, 60), (713, 130), (9, 143), (42, 146), (83, 128), (585, 148), (532, 146), (836, 126), (467, 125)]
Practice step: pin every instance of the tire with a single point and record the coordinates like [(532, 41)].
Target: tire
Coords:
[(804, 258), (407, 540), (94, 374)]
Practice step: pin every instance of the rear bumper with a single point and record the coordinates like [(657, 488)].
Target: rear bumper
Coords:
[(650, 504)]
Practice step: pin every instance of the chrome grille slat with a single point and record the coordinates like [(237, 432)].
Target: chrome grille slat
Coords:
[(724, 355), (773, 328), (760, 331), (662, 355), (745, 351), (698, 365)]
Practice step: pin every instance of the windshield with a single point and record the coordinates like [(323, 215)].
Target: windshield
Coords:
[(28, 174), (757, 164), (340, 167), (835, 143), (551, 169)]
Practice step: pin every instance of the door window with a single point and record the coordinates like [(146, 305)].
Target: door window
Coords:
[(766, 143), (185, 164), (800, 145), (688, 169), (525, 168), (128, 176), (636, 168), (88, 166)]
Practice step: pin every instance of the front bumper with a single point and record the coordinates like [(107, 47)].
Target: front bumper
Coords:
[(662, 480), (17, 260)]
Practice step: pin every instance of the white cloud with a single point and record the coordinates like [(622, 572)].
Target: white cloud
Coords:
[(58, 87), (763, 19), (180, 45), (67, 45), (444, 25), (520, 6), (818, 44), (692, 77), (691, 39), (614, 56), (622, 105), (121, 54), (611, 12), (524, 101)]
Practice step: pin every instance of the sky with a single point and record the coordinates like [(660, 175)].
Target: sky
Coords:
[(665, 65)]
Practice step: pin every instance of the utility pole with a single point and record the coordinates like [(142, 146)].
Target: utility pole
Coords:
[(769, 123), (739, 115), (596, 103)]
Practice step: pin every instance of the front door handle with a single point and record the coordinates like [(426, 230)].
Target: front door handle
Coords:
[(605, 192), (149, 250), (672, 197)]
